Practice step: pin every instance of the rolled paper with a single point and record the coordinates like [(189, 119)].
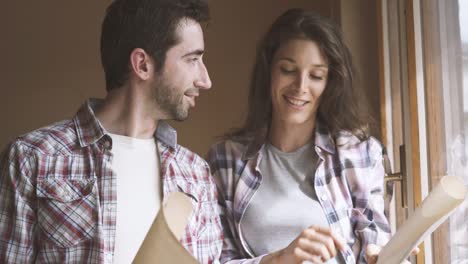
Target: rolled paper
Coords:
[(434, 210), (161, 244)]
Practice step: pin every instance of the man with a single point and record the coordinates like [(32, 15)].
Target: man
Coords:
[(86, 190)]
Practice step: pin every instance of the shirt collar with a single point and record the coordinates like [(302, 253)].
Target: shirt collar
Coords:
[(166, 134), (88, 127), (323, 140), (90, 130)]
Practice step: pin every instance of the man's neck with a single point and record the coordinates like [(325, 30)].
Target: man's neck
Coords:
[(126, 112)]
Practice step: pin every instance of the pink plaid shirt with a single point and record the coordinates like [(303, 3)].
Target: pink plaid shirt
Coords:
[(349, 183), (58, 194)]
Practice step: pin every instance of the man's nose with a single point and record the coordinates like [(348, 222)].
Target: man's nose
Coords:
[(203, 81)]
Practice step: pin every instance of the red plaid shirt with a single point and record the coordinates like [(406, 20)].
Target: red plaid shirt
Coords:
[(58, 194)]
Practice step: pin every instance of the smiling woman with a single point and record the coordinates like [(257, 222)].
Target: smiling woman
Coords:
[(302, 180), (299, 76)]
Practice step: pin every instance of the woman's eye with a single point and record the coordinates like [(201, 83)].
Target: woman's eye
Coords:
[(285, 70), (316, 77)]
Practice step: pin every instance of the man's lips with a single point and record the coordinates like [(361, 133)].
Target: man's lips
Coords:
[(191, 95), (193, 92)]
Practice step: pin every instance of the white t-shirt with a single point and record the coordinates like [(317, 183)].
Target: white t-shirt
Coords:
[(285, 203), (136, 164)]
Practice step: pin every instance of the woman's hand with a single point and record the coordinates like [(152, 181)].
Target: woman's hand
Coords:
[(315, 244), (373, 251)]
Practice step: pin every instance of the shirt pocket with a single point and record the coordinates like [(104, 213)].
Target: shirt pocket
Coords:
[(210, 223), (67, 210), (193, 225), (205, 212)]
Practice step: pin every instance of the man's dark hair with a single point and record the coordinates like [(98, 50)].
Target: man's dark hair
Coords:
[(147, 24)]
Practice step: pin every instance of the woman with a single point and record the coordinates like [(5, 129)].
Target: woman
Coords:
[(302, 180)]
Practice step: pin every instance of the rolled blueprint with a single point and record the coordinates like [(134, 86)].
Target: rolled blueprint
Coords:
[(435, 209), (161, 244)]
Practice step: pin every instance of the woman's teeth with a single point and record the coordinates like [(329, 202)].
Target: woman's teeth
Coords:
[(296, 102)]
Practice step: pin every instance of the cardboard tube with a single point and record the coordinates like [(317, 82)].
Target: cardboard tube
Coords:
[(435, 209)]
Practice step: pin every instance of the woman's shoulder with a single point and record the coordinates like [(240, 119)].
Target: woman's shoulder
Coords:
[(227, 149), (237, 146), (347, 141)]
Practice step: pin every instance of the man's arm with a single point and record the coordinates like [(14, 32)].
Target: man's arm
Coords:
[(17, 207)]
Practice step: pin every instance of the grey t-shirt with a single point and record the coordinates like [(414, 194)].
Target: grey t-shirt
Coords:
[(285, 203)]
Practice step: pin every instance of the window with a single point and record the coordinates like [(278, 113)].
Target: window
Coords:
[(427, 72), (457, 151)]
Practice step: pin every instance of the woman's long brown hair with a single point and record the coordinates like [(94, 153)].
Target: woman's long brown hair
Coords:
[(341, 107)]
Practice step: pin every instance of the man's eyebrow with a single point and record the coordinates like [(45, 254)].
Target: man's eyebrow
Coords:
[(198, 52)]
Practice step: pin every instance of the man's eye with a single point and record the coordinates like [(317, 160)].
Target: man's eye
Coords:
[(193, 60)]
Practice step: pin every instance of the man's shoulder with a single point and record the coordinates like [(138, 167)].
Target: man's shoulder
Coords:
[(55, 139), (190, 158)]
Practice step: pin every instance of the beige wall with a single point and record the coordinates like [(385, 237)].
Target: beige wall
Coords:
[(359, 25), (50, 61), (50, 52)]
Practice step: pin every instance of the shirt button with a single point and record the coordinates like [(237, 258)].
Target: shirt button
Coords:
[(107, 144), (65, 193), (323, 197), (108, 257), (110, 208)]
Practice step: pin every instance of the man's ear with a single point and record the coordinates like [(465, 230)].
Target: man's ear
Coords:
[(142, 64)]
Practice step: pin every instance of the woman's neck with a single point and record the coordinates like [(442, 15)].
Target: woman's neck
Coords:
[(289, 137)]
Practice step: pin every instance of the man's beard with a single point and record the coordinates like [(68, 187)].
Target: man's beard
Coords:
[(169, 101)]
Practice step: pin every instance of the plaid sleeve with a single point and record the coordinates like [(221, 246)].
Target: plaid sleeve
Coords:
[(377, 230), (211, 238), (17, 211), (221, 158)]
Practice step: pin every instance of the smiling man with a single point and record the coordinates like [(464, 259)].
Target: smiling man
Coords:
[(87, 190)]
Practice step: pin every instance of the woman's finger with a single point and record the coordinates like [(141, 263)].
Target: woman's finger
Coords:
[(338, 241), (415, 251), (372, 253), (304, 255), (314, 247), (326, 241)]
